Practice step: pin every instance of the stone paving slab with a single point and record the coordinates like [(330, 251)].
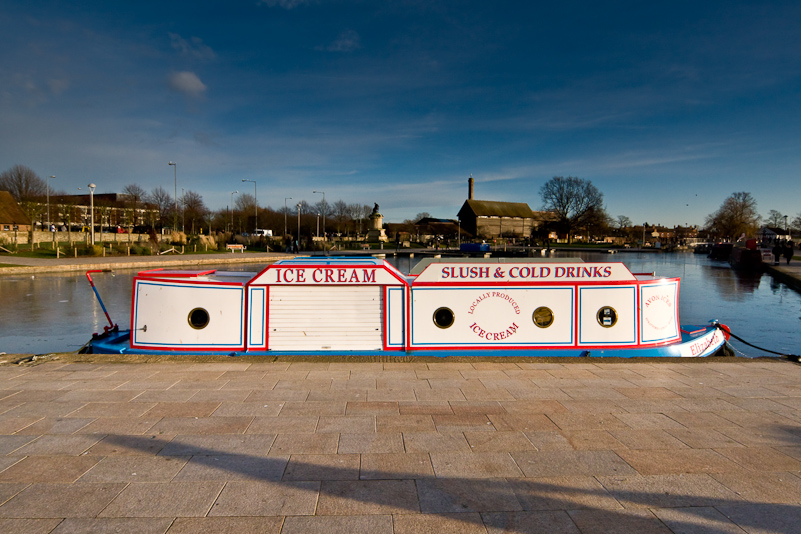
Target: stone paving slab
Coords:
[(401, 447)]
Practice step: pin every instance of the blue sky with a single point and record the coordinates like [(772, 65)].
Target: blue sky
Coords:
[(667, 108)]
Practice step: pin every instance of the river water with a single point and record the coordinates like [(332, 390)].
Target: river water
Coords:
[(58, 312)]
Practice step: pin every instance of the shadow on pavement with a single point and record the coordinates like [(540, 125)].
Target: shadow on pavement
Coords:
[(625, 502)]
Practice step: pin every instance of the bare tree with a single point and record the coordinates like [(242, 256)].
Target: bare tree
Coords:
[(26, 187), (195, 210), (355, 213), (135, 194), (341, 212), (220, 219), (575, 202), (305, 207), (322, 207), (23, 184), (796, 224), (359, 212), (622, 222), (775, 219), (245, 202), (162, 201), (736, 216)]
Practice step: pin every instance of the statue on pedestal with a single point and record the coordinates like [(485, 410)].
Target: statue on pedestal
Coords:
[(377, 232)]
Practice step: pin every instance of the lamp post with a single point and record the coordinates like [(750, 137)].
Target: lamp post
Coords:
[(183, 211), (285, 210), (785, 222), (48, 203), (256, 208), (297, 238), (318, 225), (324, 206), (232, 209), (92, 210), (175, 214)]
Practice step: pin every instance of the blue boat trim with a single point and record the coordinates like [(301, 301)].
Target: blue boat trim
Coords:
[(116, 342)]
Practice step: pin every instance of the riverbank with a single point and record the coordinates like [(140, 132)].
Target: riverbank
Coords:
[(788, 274), (391, 448), (12, 264), (21, 265)]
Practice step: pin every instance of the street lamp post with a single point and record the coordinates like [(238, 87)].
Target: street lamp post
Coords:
[(175, 214), (92, 210), (232, 209), (297, 238), (285, 210), (324, 207), (183, 211), (785, 222), (318, 225), (256, 208), (48, 203)]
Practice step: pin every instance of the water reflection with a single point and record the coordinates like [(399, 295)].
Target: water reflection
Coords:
[(733, 286), (58, 312)]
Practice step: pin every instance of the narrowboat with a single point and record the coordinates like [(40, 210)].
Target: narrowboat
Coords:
[(444, 307)]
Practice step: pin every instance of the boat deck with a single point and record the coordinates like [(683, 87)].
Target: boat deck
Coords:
[(389, 448)]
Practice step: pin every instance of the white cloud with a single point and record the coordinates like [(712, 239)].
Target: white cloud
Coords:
[(186, 83), (194, 47), (348, 41)]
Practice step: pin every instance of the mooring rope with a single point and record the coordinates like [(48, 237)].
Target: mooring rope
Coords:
[(794, 357)]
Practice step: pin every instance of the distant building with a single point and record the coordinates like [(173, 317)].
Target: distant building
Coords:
[(490, 219), (430, 228), (771, 234), (12, 218), (111, 210)]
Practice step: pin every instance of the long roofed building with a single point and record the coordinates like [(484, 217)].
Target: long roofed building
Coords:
[(12, 217), (490, 218)]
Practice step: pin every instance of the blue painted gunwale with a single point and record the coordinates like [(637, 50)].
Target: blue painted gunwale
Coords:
[(118, 343)]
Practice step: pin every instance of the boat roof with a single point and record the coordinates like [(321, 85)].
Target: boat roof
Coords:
[(329, 263), (206, 275), (425, 262), (332, 260)]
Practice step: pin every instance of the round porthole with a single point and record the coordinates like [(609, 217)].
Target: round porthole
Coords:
[(198, 318), (443, 317), (607, 317), (543, 317)]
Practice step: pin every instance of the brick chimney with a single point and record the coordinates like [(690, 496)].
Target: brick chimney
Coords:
[(470, 188)]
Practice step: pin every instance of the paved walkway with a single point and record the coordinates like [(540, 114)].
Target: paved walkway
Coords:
[(251, 446)]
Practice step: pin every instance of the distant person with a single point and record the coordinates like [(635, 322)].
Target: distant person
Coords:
[(788, 251), (777, 252)]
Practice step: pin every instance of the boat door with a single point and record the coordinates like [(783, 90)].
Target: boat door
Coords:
[(331, 318)]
